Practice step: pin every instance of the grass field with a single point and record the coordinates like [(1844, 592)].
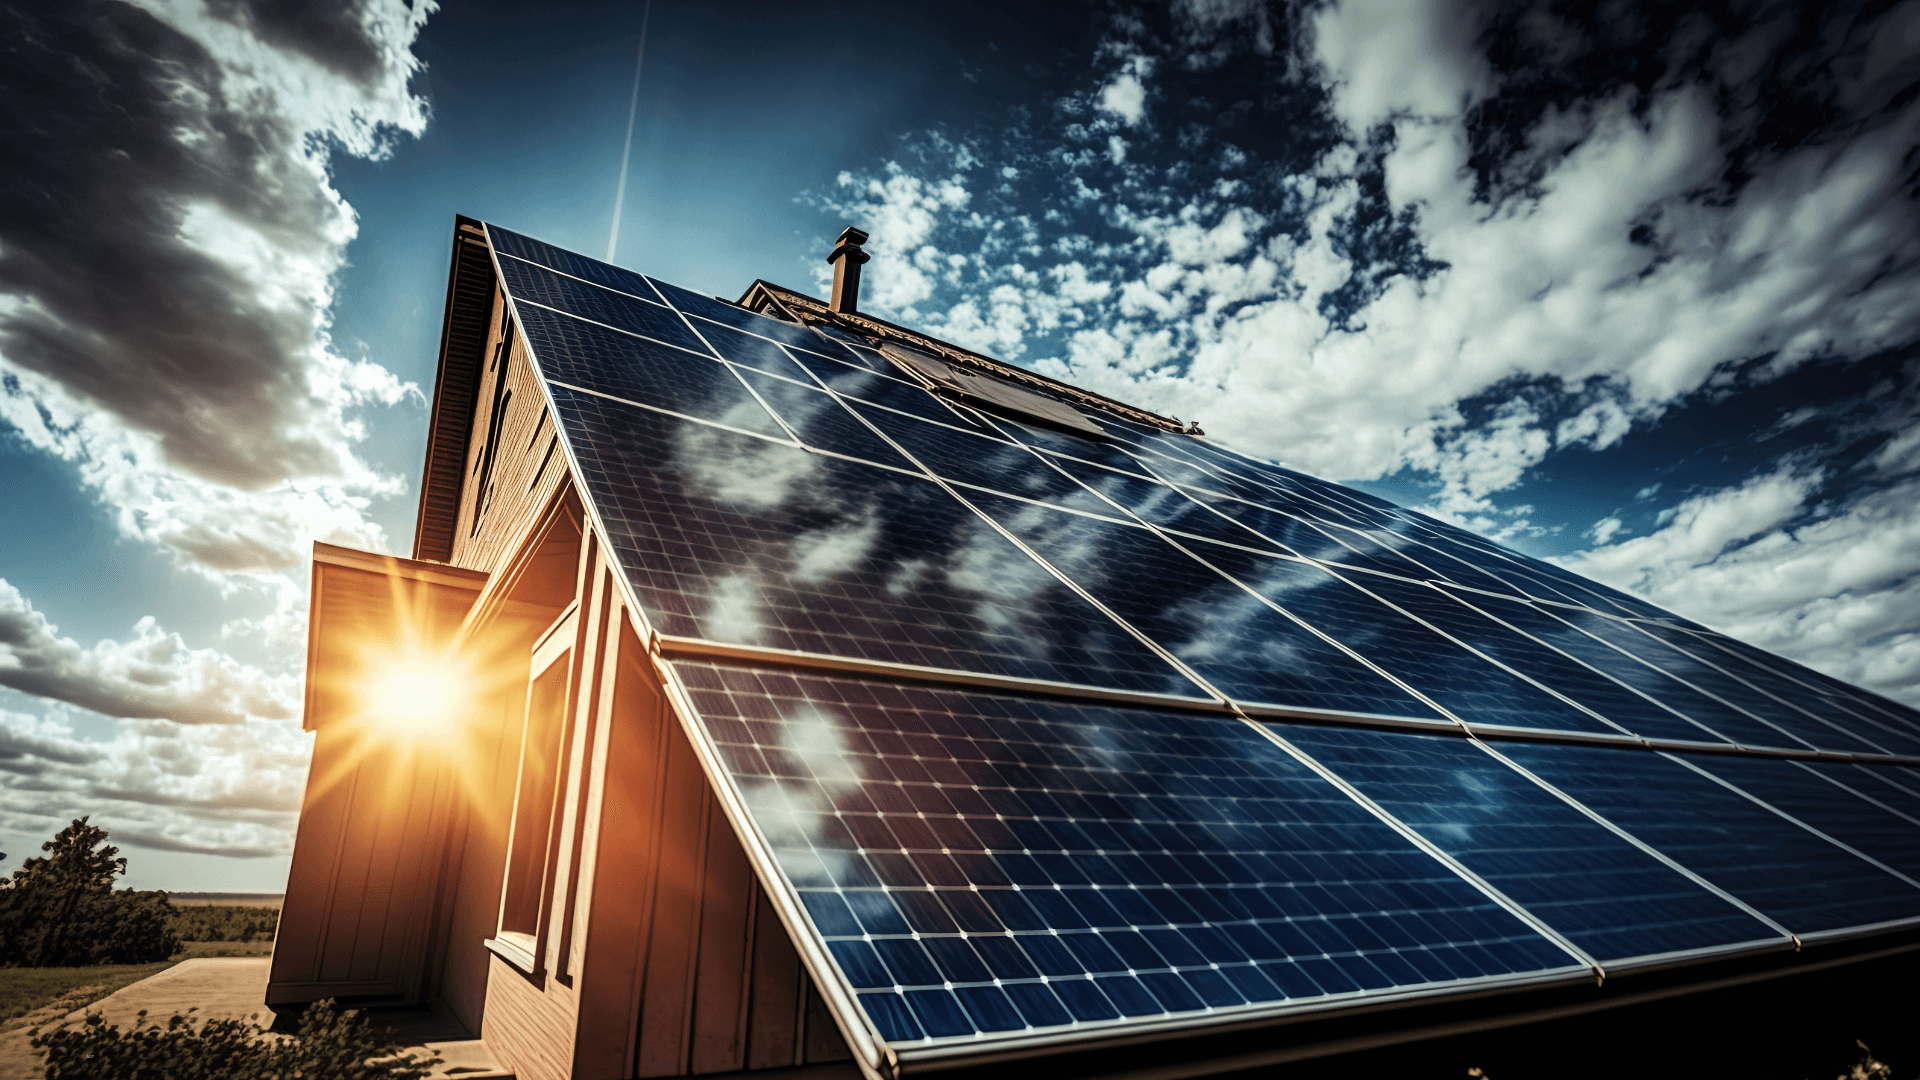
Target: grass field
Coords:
[(208, 925), (32, 995)]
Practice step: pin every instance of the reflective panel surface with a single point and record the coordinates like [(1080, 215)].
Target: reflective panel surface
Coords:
[(751, 541), (1606, 895), (987, 864), (1804, 882)]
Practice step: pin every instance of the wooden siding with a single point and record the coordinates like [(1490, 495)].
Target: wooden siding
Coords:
[(463, 341), (514, 463), (365, 875), (530, 593), (659, 954)]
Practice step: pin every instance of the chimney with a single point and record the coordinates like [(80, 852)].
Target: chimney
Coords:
[(847, 259)]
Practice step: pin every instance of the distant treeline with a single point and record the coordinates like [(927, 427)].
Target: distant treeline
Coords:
[(219, 922)]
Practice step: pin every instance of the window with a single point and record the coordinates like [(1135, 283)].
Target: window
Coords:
[(524, 891)]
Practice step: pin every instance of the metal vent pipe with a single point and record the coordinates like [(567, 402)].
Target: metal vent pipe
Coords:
[(847, 259)]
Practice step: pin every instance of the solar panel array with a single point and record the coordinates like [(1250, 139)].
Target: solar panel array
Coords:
[(1216, 739)]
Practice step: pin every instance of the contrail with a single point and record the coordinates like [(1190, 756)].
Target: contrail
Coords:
[(633, 104)]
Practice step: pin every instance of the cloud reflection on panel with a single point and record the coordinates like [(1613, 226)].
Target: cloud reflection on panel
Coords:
[(745, 540), (792, 812)]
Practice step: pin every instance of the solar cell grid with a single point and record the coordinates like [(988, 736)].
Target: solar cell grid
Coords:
[(1767, 721), (1696, 717), (1898, 788), (986, 864), (595, 358), (1242, 645), (1606, 895), (1167, 508), (1628, 711), (1872, 830), (528, 283), (523, 247), (738, 539), (747, 350), (1849, 711), (862, 384), (819, 420), (706, 307), (1790, 875)]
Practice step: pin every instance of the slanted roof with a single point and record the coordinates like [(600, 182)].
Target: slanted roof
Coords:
[(1044, 740)]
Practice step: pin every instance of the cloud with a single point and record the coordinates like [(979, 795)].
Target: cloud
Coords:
[(169, 239), (1125, 95), (1387, 59), (1463, 245), (231, 790), (168, 236), (1837, 589), (153, 675)]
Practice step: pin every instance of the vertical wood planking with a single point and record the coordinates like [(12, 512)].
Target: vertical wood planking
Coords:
[(774, 1019), (823, 1039), (520, 485), (619, 859), (666, 996), (726, 919)]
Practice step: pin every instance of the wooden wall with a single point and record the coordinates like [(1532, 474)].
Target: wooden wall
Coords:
[(660, 954), (514, 462), (369, 851)]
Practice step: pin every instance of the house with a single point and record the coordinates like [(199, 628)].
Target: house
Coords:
[(774, 687)]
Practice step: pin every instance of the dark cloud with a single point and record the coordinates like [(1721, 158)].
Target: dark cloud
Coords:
[(162, 842), (122, 146), (333, 34), (1782, 75)]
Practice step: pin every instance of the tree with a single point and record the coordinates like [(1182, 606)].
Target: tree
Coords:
[(62, 911), (72, 861)]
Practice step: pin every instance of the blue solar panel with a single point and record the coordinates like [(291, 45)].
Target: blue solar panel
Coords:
[(522, 247), (739, 539), (529, 284), (987, 864), (637, 370), (1795, 789), (1604, 894), (1242, 645), (1843, 708), (1805, 883), (819, 421), (1696, 717), (1779, 724)]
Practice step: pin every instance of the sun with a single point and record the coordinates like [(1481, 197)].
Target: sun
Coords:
[(413, 696)]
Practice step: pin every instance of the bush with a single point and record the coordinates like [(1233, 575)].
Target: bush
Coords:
[(62, 910), (332, 1045)]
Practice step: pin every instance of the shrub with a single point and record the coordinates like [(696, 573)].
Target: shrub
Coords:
[(62, 910), (332, 1044)]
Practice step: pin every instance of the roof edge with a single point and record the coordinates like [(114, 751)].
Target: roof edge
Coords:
[(806, 310)]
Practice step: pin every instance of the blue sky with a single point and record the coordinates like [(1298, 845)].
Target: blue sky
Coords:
[(1633, 288)]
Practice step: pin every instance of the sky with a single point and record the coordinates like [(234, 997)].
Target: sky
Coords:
[(1630, 286)]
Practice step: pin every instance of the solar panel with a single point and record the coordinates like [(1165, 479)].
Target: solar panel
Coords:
[(1803, 881), (736, 538), (1610, 896), (922, 644), (980, 864)]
